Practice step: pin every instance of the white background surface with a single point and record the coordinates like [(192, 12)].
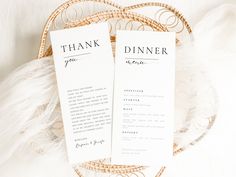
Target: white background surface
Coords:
[(21, 23)]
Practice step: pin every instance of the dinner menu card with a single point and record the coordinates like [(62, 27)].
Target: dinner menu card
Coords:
[(84, 69), (143, 110)]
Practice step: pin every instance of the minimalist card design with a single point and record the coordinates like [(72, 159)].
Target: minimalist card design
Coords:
[(143, 112), (85, 69)]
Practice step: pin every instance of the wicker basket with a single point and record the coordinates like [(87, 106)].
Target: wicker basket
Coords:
[(161, 17)]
